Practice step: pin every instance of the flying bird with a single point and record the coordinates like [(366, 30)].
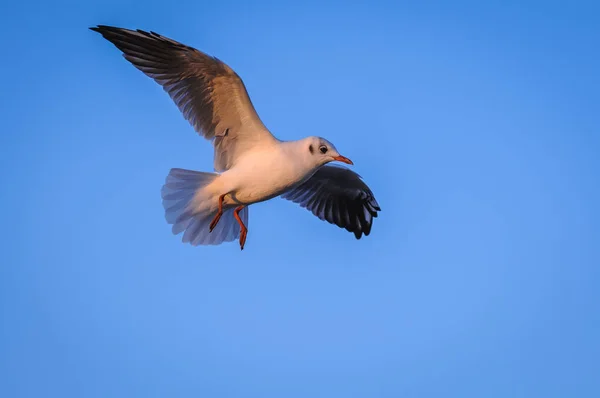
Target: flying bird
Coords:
[(251, 164)]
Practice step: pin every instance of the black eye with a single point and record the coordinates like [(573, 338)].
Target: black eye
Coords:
[(323, 149)]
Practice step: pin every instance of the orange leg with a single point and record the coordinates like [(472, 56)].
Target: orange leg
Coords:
[(215, 220), (243, 229)]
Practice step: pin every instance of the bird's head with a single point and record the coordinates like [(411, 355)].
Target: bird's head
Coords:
[(322, 151)]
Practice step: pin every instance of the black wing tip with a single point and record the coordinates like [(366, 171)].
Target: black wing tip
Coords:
[(123, 36), (365, 228), (107, 30), (362, 231), (104, 28)]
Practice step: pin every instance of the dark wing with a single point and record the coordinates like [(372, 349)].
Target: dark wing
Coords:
[(211, 96), (339, 196)]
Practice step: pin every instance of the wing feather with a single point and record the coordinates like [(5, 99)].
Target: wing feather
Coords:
[(339, 196), (209, 94)]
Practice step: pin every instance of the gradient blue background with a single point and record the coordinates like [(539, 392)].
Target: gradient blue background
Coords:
[(476, 125)]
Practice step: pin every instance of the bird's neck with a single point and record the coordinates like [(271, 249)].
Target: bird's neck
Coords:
[(299, 154), (296, 152)]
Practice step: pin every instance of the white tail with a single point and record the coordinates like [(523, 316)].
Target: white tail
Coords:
[(181, 195)]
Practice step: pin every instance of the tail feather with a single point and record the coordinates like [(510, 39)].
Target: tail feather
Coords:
[(181, 210)]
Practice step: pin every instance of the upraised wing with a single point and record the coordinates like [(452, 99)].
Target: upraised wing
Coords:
[(211, 96)]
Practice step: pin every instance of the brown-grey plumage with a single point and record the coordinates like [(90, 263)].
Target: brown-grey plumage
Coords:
[(253, 165), (339, 196), (211, 96)]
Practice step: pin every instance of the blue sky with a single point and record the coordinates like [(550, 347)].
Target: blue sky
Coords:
[(476, 125)]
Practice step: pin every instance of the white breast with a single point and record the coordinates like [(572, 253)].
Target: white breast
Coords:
[(261, 175)]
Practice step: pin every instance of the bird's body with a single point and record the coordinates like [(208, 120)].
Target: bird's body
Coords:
[(265, 173), (252, 165)]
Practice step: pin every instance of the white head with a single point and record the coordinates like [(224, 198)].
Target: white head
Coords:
[(319, 151)]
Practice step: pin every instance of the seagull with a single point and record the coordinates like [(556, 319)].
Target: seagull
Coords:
[(251, 164)]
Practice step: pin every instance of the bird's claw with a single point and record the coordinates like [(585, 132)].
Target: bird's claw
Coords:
[(243, 234)]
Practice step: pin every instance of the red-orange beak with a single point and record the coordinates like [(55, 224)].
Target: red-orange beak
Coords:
[(343, 159)]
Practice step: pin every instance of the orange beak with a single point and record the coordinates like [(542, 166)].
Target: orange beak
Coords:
[(344, 159)]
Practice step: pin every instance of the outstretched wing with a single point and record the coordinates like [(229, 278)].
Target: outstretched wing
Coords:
[(339, 196), (211, 96)]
